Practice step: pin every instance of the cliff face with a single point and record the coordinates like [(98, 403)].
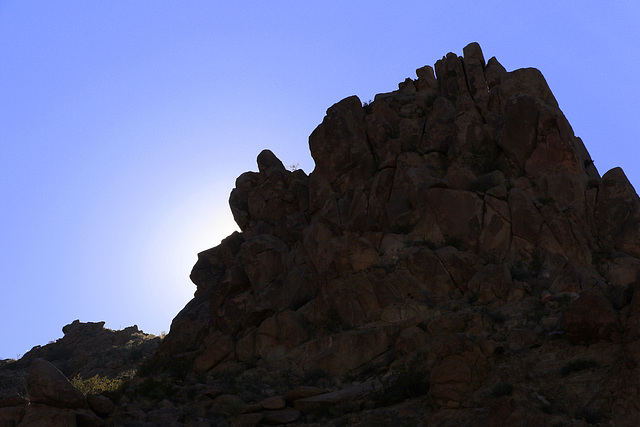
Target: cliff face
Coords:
[(457, 221), (455, 258)]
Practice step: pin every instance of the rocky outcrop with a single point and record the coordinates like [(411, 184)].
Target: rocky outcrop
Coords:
[(454, 258), (35, 390), (455, 226), (86, 350), (47, 385), (52, 401)]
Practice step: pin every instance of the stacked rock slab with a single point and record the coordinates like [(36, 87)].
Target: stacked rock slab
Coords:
[(457, 221)]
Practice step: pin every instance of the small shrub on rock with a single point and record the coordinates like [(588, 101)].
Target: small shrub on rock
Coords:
[(98, 384)]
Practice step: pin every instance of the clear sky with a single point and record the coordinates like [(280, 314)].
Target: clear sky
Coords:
[(123, 124)]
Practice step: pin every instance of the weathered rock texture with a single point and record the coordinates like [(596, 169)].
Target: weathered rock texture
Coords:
[(36, 391), (85, 350), (457, 221), (454, 250)]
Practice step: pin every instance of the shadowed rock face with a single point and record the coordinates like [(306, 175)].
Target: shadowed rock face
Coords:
[(35, 390), (456, 221)]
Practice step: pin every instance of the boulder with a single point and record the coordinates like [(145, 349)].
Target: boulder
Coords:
[(101, 405), (590, 319), (617, 213), (279, 417), (339, 144), (47, 385)]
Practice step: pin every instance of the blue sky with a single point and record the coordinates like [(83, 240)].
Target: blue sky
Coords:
[(124, 124)]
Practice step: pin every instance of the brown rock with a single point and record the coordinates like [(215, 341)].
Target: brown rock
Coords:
[(218, 348), (425, 266), (518, 138), (279, 333), (79, 328), (47, 385), (590, 318), (491, 284), (302, 392), (451, 77), (46, 416), (273, 403), (187, 326), (101, 405), (13, 400), (459, 369), (526, 219), (403, 242), (267, 161), (283, 416), (474, 64), (263, 257), (167, 416), (348, 394), (411, 339), (11, 416), (352, 299), (618, 213), (246, 346), (458, 214), (250, 420), (339, 144), (448, 323), (341, 353)]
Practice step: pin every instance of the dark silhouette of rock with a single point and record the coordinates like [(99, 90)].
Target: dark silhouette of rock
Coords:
[(454, 258), (47, 385), (457, 222)]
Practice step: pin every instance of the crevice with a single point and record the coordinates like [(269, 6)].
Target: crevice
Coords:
[(459, 286), (466, 79)]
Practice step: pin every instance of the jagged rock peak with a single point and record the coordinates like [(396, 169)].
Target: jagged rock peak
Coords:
[(456, 226)]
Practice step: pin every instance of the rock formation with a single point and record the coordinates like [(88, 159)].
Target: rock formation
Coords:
[(35, 390), (457, 221), (454, 258)]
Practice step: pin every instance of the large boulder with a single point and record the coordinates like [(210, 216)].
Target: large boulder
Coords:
[(47, 385)]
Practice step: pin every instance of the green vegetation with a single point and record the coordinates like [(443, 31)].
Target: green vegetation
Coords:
[(233, 409), (101, 385)]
